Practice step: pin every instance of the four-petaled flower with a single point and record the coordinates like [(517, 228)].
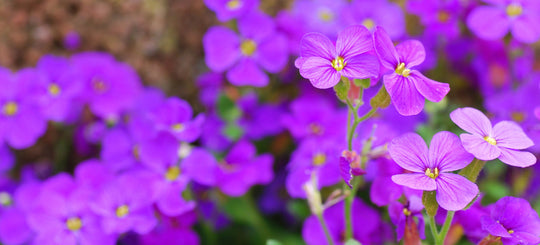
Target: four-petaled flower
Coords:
[(431, 168), (407, 87), (485, 142), (323, 63)]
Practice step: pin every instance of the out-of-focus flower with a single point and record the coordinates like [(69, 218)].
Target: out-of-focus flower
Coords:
[(376, 13), (432, 168), (503, 141), (407, 87), (514, 221), (230, 9), (259, 46), (403, 217), (494, 21), (324, 63)]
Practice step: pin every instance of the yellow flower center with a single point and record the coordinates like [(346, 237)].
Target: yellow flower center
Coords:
[(339, 63), (315, 128), (5, 199), (326, 15), (490, 140), (443, 16), (406, 212), (433, 174), (514, 10), (510, 231), (233, 4), (74, 224), (10, 108), (122, 211), (368, 23), (319, 159), (518, 116), (54, 89), (402, 70), (248, 47), (136, 152), (172, 173), (99, 86), (178, 127)]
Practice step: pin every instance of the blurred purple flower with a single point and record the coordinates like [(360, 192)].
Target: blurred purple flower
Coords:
[(175, 116), (259, 45), (241, 169), (503, 141), (440, 17), (72, 40), (432, 168), (403, 216), (320, 15), (493, 21), (230, 9), (371, 14), (324, 63), (513, 220), (407, 87), (21, 121), (258, 120), (313, 156)]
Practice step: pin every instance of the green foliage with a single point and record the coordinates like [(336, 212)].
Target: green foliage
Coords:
[(430, 202)]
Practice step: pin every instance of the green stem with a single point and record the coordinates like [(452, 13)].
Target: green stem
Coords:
[(472, 170), (433, 227), (325, 228), (445, 228)]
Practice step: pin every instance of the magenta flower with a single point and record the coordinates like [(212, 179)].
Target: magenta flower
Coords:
[(407, 87), (403, 216), (513, 220), (493, 21), (258, 46), (431, 168), (323, 63), (230, 9), (487, 143)]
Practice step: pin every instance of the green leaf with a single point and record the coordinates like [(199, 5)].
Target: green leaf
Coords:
[(233, 131), (352, 242), (430, 202), (272, 242), (227, 109), (363, 83), (381, 99), (342, 89)]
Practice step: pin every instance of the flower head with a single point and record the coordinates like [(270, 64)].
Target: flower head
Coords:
[(431, 168), (323, 63), (407, 87), (503, 141)]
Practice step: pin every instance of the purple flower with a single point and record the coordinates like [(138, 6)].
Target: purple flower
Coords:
[(60, 89), (313, 156), (441, 17), (514, 221), (124, 204), (403, 216), (258, 120), (503, 141), (376, 13), (110, 87), (407, 87), (72, 40), (493, 21), (229, 9), (365, 222), (320, 15), (175, 116), (62, 216), (259, 45), (241, 169), (323, 63), (431, 168), (21, 121)]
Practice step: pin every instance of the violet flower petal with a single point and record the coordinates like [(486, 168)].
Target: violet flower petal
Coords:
[(479, 147), (447, 152), (404, 95), (410, 152), (516, 158), (246, 72), (417, 181), (472, 121), (320, 73), (411, 52), (361, 66), (221, 48), (510, 135), (430, 89), (385, 49), (489, 23), (318, 45), (454, 192), (353, 41)]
